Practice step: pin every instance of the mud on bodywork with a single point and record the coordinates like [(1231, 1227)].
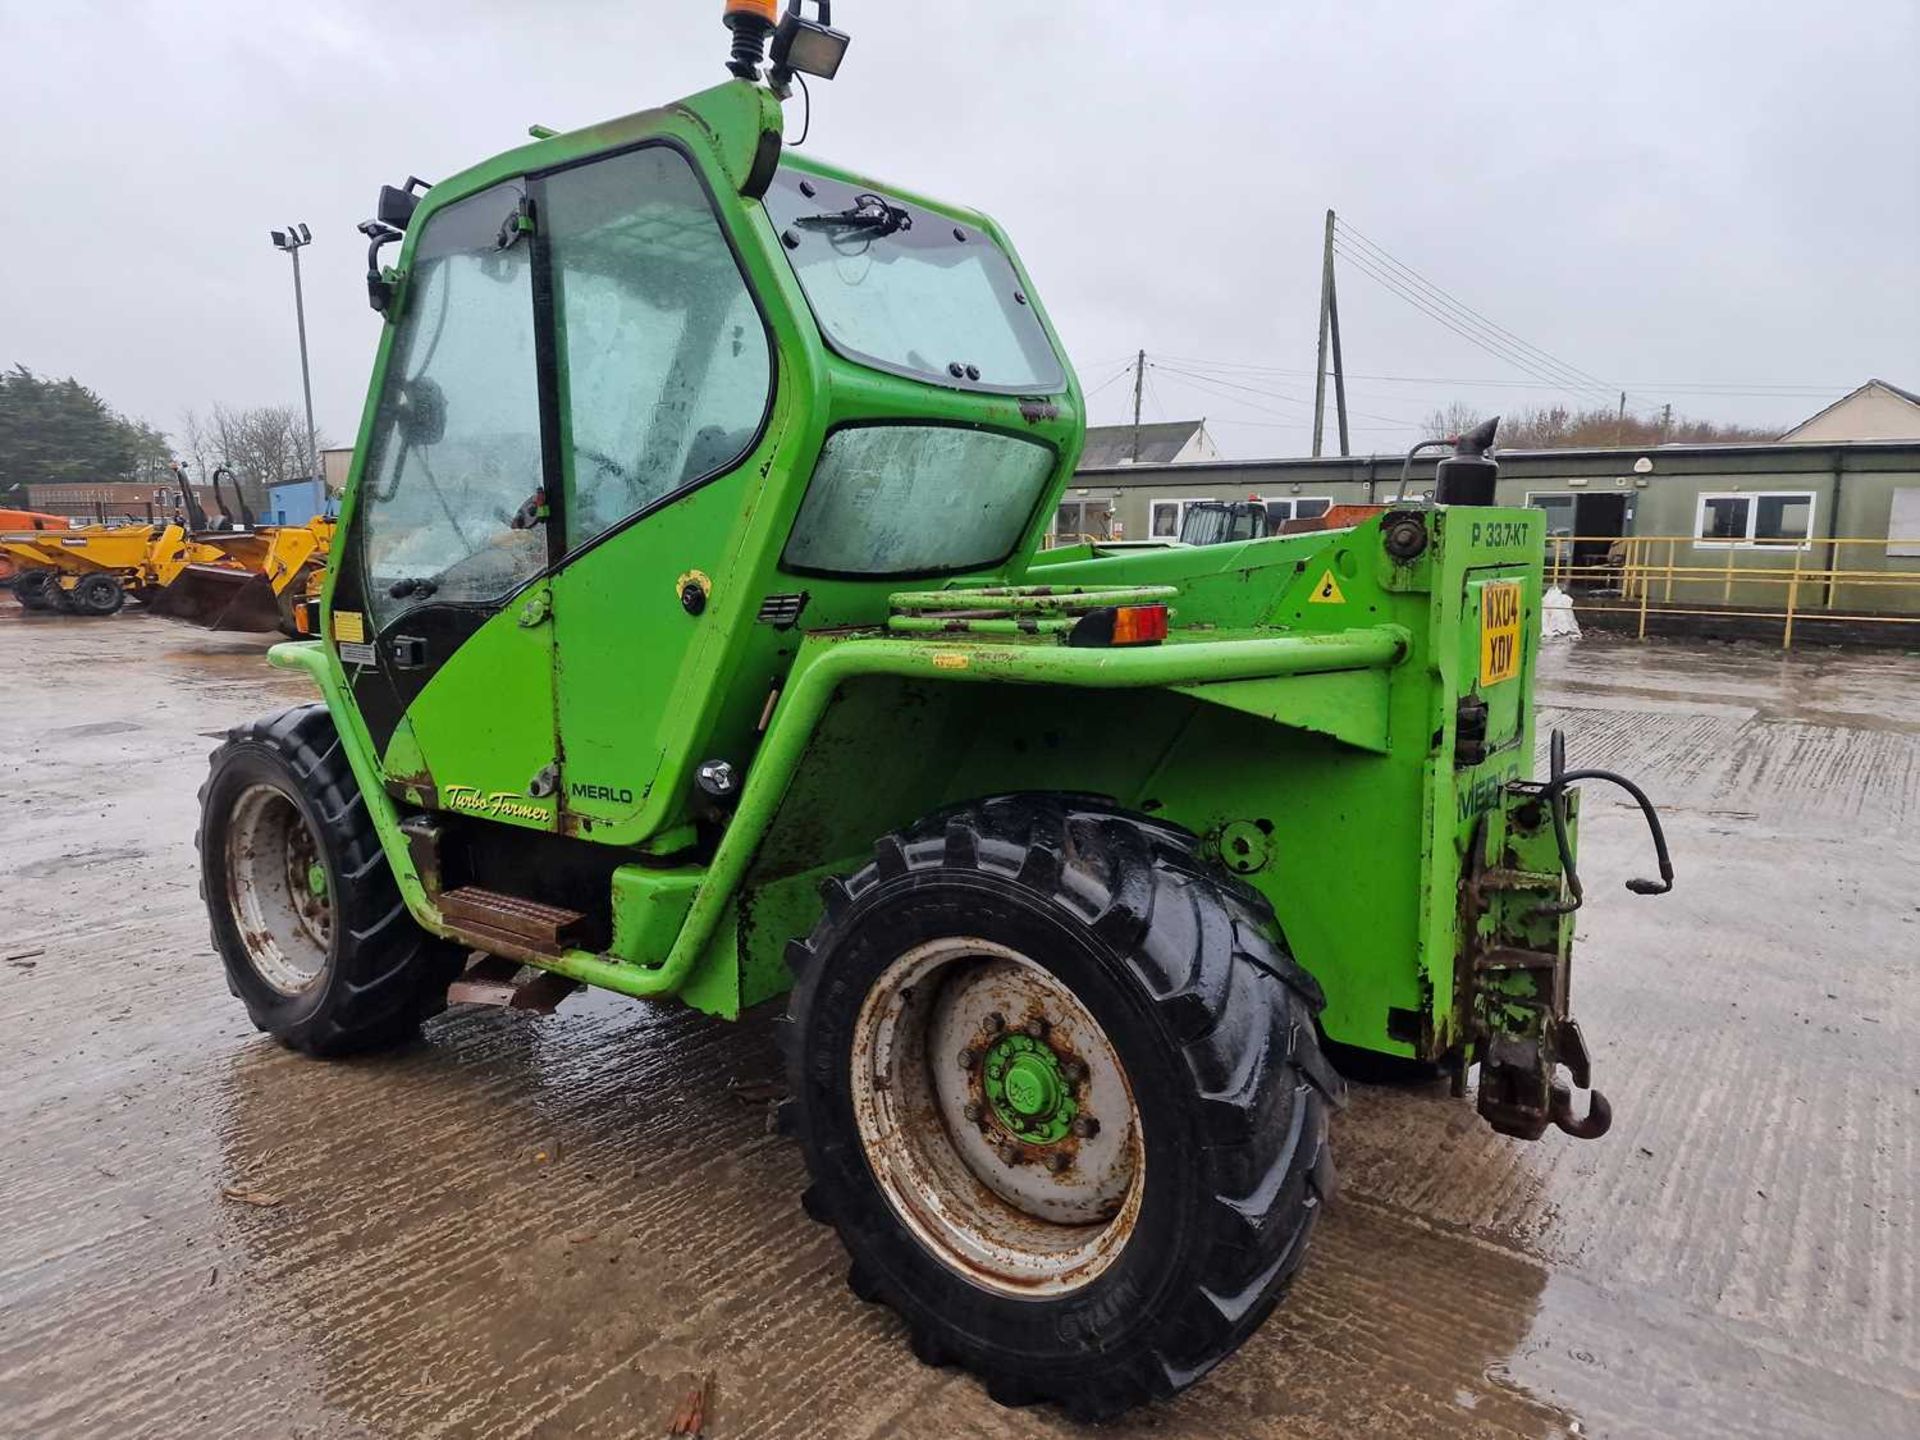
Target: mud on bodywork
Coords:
[(1515, 972)]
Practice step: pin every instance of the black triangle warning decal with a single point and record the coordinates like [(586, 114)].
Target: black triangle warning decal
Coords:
[(1327, 592)]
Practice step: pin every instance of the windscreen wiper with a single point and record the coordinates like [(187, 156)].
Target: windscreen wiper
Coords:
[(869, 212)]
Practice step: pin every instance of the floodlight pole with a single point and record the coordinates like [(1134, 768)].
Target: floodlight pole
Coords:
[(295, 238)]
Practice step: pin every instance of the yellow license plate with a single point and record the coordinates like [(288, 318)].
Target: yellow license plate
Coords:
[(1499, 631)]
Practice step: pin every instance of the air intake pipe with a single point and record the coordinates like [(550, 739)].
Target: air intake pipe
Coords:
[(1468, 475)]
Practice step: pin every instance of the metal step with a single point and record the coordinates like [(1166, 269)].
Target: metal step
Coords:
[(1506, 958), (493, 980), (525, 923)]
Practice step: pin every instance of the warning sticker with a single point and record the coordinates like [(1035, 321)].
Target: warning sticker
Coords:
[(1499, 631), (349, 626), (1327, 592)]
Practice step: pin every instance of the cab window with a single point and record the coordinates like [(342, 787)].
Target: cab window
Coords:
[(453, 509), (904, 288), (664, 364)]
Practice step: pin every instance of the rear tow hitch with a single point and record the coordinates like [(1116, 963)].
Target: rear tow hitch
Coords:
[(1520, 893)]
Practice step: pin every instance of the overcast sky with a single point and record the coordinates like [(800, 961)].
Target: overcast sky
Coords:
[(1665, 196)]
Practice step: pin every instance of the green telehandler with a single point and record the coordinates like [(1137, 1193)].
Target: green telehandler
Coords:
[(689, 633)]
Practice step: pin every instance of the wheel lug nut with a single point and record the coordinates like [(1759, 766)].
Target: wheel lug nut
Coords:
[(1074, 1070), (1058, 1162), (973, 1111), (994, 1023), (1009, 1154), (1086, 1127), (969, 1059), (1037, 1028)]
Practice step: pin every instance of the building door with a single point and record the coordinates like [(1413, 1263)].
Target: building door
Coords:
[(1582, 534), (1599, 520)]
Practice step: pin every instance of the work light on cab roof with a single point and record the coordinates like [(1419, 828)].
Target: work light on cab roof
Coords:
[(800, 46)]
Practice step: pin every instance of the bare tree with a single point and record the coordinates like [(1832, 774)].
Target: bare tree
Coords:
[(261, 446), (1556, 427), (1456, 419)]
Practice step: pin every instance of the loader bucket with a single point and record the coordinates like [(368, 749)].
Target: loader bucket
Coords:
[(217, 597)]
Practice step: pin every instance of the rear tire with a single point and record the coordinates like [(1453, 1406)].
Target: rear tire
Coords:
[(309, 923), (98, 595), (33, 589), (1098, 929)]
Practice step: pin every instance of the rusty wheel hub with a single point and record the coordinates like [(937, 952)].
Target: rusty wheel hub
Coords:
[(279, 890), (996, 1117)]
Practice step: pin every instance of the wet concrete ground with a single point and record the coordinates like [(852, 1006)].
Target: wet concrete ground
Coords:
[(546, 1227)]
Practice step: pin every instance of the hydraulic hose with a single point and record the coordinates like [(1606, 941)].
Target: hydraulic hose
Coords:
[(1558, 779)]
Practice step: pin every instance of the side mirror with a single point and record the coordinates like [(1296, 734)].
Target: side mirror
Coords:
[(396, 207)]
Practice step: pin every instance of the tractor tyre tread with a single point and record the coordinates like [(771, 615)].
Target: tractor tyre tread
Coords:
[(34, 589), (99, 594), (390, 973), (1205, 950)]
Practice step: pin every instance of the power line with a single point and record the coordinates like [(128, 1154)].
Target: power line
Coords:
[(1481, 339), (1216, 380), (1126, 369), (1550, 362), (1761, 389), (1196, 378), (1210, 386), (1154, 391)]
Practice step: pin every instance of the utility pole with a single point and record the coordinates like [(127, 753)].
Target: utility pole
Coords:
[(1329, 331), (291, 240), (1139, 383), (1620, 422), (1666, 421)]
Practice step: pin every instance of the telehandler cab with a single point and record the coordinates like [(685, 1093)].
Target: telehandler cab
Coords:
[(689, 634)]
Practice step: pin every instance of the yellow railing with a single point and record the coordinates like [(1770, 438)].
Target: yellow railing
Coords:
[(1682, 575)]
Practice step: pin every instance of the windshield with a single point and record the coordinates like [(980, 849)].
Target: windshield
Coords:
[(916, 500), (908, 290)]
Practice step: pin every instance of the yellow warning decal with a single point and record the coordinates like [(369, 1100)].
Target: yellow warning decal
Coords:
[(950, 660), (1499, 631), (350, 627), (1327, 592)]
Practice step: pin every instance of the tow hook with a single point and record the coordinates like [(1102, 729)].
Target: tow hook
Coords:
[(1599, 1117), (1520, 891)]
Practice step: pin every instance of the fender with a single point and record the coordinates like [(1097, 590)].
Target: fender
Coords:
[(824, 663)]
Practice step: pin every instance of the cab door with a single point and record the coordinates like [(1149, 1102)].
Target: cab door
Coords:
[(663, 376), (442, 615)]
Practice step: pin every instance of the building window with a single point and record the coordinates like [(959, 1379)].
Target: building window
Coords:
[(1165, 516), (1767, 518), (1903, 524), (1560, 511), (1782, 519), (1083, 520)]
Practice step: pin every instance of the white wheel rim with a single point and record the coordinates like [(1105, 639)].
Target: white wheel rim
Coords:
[(281, 897), (1053, 1217)]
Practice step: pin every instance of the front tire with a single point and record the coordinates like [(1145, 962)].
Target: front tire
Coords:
[(309, 923), (1097, 1265)]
